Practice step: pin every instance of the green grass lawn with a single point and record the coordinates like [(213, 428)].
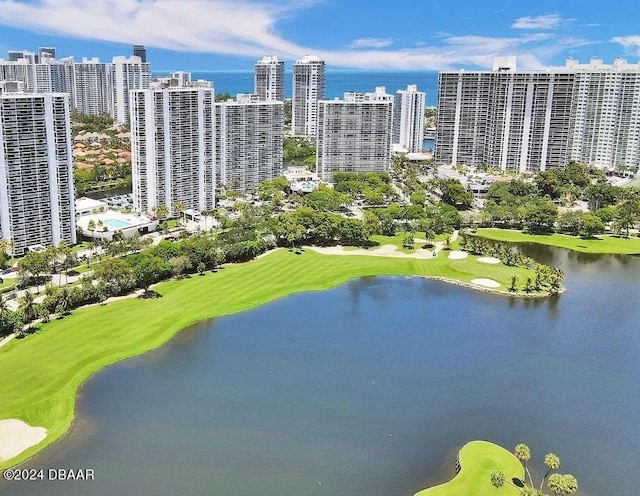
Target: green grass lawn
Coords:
[(42, 373), (600, 244), (7, 282), (477, 460)]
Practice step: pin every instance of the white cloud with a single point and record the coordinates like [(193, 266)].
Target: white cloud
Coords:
[(371, 42), (538, 22), (630, 43), (249, 28)]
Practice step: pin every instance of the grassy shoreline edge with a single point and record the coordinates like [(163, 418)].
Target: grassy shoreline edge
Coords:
[(28, 366), (604, 245)]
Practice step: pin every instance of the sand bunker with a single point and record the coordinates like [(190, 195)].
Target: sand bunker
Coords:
[(487, 283), (382, 251), (458, 255), (16, 436), (489, 260)]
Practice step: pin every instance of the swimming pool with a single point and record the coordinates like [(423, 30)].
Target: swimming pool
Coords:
[(116, 224)]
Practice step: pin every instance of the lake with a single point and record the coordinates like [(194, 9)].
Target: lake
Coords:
[(370, 389)]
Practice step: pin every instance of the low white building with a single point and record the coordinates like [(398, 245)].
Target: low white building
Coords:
[(104, 225)]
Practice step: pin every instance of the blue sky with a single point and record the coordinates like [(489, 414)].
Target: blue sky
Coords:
[(371, 34)]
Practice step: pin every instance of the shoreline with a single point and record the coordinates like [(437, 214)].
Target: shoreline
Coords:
[(172, 321)]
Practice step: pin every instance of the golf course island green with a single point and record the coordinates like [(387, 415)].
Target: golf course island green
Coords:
[(41, 374), (477, 460), (596, 244)]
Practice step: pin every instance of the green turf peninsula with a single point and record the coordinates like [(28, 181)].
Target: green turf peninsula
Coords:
[(598, 244), (477, 460), (42, 373)]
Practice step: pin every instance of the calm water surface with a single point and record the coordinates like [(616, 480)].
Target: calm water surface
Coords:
[(370, 388)]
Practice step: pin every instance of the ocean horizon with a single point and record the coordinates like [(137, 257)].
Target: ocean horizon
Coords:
[(338, 81)]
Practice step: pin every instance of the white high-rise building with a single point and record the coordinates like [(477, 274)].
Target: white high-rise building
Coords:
[(408, 119), (354, 134), (269, 79), (308, 90), (36, 170), (35, 78), (512, 120), (91, 87), (605, 123), (126, 74), (250, 139), (173, 148), (62, 76)]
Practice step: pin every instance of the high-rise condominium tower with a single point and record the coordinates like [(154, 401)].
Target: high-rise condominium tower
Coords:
[(91, 86), (173, 148), (140, 51), (269, 79), (308, 89), (126, 74), (36, 170), (46, 53), (250, 138), (354, 134), (408, 119), (513, 120), (605, 123)]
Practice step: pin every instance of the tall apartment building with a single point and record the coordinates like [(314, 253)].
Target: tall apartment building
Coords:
[(46, 53), (15, 55), (91, 87), (173, 148), (250, 139), (354, 134), (269, 79), (408, 119), (35, 78), (126, 74), (62, 73), (605, 123), (140, 51), (308, 90), (36, 170), (514, 120)]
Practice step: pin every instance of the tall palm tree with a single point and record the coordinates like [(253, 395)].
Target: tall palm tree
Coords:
[(522, 451), (28, 309), (179, 207), (552, 462), (4, 309)]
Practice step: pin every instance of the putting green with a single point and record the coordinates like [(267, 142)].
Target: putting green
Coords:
[(477, 460)]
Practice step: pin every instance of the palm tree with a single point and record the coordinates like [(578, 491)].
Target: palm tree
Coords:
[(552, 462), (522, 451), (179, 207), (161, 211), (28, 309), (64, 303), (514, 284), (4, 309)]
